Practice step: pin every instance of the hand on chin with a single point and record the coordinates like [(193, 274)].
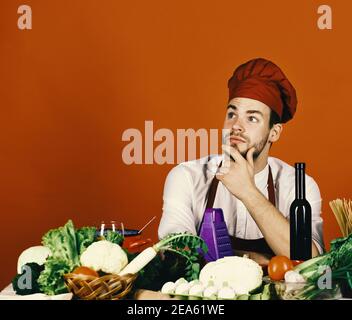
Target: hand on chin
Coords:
[(241, 149)]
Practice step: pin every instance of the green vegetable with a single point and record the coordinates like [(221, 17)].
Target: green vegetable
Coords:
[(114, 237), (150, 276), (339, 259), (187, 245), (66, 245), (63, 244), (164, 267), (31, 272), (51, 280), (85, 237)]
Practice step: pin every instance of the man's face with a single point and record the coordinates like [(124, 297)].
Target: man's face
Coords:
[(247, 124)]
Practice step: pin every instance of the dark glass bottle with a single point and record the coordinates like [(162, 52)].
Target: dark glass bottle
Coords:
[(300, 219)]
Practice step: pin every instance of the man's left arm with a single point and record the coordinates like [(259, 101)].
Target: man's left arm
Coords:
[(238, 177), (273, 225)]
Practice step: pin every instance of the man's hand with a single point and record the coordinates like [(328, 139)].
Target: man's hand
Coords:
[(238, 176)]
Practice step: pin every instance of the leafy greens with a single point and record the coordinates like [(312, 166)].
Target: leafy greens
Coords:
[(66, 245), (338, 259)]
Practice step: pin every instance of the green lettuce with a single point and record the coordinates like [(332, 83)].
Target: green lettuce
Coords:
[(63, 244), (51, 281), (66, 245), (84, 238)]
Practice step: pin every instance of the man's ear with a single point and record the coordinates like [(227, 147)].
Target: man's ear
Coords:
[(275, 132)]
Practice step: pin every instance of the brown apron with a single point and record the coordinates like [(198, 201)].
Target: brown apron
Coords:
[(256, 245)]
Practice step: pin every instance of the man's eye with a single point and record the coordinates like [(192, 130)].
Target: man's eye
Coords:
[(253, 119), (230, 115)]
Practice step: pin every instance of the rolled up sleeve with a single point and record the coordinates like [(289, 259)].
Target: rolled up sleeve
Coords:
[(177, 213)]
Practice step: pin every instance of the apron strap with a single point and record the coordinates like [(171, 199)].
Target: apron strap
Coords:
[(212, 191), (271, 189)]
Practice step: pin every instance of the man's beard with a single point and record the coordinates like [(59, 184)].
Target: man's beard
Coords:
[(259, 146)]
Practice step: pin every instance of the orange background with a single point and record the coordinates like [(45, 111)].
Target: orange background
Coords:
[(88, 70)]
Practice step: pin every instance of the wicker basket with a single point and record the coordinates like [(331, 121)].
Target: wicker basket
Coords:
[(108, 287)]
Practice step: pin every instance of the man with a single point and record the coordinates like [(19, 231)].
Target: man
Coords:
[(255, 191)]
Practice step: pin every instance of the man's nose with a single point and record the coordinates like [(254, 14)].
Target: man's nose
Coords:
[(237, 126)]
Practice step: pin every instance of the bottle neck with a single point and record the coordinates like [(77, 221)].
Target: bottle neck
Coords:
[(300, 183)]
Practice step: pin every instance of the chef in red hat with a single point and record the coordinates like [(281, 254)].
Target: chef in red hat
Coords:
[(255, 191)]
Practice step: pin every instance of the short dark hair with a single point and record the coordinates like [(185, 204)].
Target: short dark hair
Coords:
[(274, 118)]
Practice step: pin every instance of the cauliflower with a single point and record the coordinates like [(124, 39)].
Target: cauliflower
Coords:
[(241, 274), (105, 256), (226, 293)]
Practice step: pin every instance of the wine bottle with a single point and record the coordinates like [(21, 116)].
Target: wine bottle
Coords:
[(300, 219)]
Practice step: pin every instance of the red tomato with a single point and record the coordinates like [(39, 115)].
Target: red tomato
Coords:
[(278, 266), (86, 271), (296, 262)]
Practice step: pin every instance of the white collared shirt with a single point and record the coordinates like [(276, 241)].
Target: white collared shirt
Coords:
[(186, 188)]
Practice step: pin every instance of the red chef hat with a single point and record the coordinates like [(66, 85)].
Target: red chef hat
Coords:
[(262, 80)]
